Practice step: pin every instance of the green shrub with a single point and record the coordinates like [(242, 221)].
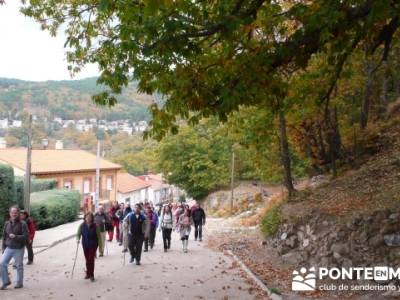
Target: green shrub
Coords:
[(271, 221), (54, 207), (19, 192), (37, 185), (6, 192)]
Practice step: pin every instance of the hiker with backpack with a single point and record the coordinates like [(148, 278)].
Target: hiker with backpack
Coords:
[(199, 219), (15, 238), (184, 227), (152, 219), (103, 222), (91, 239), (166, 226), (24, 215), (139, 230)]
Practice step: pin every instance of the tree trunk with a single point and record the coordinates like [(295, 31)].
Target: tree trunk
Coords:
[(366, 103), (384, 94), (285, 157), (335, 141)]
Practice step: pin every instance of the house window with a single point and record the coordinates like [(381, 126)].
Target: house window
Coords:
[(68, 183), (87, 185), (109, 183)]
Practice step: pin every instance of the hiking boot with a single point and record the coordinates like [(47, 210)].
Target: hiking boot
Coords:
[(5, 285), (138, 263), (18, 286)]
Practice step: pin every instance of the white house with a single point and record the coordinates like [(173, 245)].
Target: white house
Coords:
[(68, 123), (58, 120), (17, 123), (4, 123), (159, 191), (131, 189)]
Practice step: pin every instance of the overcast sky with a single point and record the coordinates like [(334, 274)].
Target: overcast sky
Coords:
[(28, 53)]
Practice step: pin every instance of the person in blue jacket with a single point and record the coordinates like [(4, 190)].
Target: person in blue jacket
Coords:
[(138, 231)]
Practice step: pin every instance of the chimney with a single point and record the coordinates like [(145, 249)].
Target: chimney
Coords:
[(3, 143), (59, 145)]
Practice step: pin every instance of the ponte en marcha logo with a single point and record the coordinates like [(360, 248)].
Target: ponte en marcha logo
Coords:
[(308, 279)]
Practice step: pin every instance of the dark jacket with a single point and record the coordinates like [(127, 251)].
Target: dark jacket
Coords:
[(198, 215), (101, 220), (138, 226), (90, 235), (20, 229), (127, 210)]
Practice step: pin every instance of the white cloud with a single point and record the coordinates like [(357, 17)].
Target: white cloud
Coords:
[(27, 52)]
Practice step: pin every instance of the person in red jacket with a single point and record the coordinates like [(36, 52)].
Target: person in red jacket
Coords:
[(32, 229), (115, 221)]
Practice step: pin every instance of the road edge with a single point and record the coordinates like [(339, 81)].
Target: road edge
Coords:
[(273, 296)]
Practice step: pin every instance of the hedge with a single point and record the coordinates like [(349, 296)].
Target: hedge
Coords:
[(37, 185), (6, 192), (54, 207)]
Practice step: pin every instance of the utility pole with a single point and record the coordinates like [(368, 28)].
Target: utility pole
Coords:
[(232, 178), (97, 194), (27, 187)]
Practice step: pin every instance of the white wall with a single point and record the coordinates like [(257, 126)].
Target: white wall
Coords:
[(135, 196)]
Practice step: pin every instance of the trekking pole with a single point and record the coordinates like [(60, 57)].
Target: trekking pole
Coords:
[(76, 256)]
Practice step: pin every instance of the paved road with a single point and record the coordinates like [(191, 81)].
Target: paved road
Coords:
[(199, 274)]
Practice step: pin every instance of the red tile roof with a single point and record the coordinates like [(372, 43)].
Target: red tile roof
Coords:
[(127, 183), (54, 161)]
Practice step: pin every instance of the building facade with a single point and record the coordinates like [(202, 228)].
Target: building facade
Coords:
[(73, 169)]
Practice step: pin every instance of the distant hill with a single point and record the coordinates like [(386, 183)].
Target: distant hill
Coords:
[(69, 99)]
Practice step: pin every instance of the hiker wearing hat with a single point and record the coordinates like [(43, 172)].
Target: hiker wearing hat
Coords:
[(24, 216)]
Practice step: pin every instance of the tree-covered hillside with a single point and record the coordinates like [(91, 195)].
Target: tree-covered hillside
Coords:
[(69, 99)]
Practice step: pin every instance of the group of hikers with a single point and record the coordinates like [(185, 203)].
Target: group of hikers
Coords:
[(131, 227), (135, 227)]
